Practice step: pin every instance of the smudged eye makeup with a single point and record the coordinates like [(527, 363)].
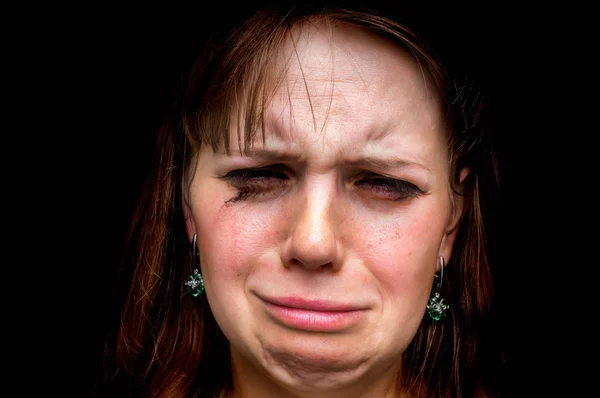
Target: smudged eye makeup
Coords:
[(258, 182), (386, 187)]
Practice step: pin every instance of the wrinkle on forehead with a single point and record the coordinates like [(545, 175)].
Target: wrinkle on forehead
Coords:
[(343, 67), (347, 77)]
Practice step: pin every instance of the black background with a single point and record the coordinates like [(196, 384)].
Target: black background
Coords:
[(119, 66)]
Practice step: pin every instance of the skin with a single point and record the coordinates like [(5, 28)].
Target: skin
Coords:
[(325, 223)]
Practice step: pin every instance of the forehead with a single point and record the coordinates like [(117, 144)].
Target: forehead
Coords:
[(348, 85), (343, 53)]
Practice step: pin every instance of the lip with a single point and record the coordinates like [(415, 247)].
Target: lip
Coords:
[(313, 315)]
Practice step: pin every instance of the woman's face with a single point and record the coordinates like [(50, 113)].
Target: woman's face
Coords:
[(319, 246)]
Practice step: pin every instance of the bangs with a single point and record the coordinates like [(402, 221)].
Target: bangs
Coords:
[(235, 86)]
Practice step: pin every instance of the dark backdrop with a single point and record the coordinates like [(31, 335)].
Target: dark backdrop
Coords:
[(124, 62)]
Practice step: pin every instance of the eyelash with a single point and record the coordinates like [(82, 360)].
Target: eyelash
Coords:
[(388, 188), (254, 182)]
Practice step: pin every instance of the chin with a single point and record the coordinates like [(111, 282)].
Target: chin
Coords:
[(317, 362)]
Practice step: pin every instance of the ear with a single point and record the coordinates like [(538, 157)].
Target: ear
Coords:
[(456, 214), (190, 226)]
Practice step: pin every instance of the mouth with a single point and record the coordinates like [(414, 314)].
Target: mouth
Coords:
[(313, 315)]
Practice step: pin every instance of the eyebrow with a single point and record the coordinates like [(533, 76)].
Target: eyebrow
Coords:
[(265, 155), (388, 163), (271, 155)]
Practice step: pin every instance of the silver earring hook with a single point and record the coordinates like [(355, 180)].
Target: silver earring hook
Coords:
[(194, 248), (441, 274)]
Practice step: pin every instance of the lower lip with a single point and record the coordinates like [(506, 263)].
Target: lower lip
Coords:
[(315, 321)]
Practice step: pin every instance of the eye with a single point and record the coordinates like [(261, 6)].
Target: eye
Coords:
[(257, 181), (387, 188)]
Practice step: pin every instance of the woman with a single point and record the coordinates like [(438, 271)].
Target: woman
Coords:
[(314, 225)]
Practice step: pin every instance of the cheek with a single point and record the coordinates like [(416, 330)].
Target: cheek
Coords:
[(232, 244), (401, 252), (231, 239)]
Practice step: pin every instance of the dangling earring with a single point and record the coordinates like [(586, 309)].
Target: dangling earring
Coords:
[(436, 308), (195, 282)]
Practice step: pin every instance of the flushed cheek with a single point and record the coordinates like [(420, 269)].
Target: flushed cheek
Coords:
[(234, 236), (400, 253), (234, 241)]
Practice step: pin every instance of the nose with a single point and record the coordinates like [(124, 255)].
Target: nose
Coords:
[(313, 239)]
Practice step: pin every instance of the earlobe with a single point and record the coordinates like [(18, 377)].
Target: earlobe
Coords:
[(190, 227), (458, 202), (456, 215)]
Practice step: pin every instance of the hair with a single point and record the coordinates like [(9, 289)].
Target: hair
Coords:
[(166, 345)]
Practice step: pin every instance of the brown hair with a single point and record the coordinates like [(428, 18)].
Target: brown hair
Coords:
[(170, 346)]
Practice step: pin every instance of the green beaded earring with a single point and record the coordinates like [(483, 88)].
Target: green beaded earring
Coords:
[(437, 307), (195, 282)]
